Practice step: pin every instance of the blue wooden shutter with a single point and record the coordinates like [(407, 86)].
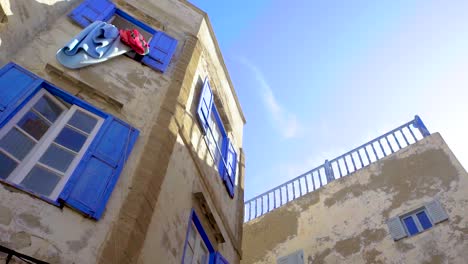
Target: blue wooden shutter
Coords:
[(16, 85), (230, 158), (162, 47), (204, 106), (219, 259), (92, 10), (91, 184)]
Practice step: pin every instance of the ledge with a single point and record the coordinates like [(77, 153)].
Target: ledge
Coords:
[(60, 72), (205, 208)]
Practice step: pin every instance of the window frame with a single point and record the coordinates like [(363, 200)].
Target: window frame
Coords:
[(32, 158), (194, 221), (413, 215), (210, 139)]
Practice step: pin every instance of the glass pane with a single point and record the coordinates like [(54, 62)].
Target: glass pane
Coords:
[(7, 165), (192, 235), (411, 225), (83, 121), (16, 143), (41, 180), (203, 256), (57, 158), (48, 108), (424, 220), (71, 139), (188, 255), (34, 125)]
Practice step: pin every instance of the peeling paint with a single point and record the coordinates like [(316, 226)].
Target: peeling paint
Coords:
[(345, 221), (77, 245), (6, 215)]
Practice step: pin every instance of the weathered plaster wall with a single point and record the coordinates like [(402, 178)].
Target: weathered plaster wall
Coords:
[(24, 19), (191, 169), (122, 87), (345, 221)]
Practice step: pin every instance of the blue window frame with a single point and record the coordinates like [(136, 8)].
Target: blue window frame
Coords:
[(197, 247), (219, 144), (161, 45), (417, 222), (31, 111)]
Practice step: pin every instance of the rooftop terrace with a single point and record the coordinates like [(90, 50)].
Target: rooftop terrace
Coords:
[(341, 166)]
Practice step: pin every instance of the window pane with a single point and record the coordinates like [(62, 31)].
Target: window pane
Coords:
[(34, 125), (192, 236), (41, 180), (83, 121), (203, 255), (57, 158), (7, 165), (424, 220), (48, 108), (411, 225), (16, 143), (188, 255), (71, 139)]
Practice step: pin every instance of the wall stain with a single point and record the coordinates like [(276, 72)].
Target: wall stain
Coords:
[(371, 256), (370, 236), (20, 240), (77, 245), (427, 173), (319, 257), (349, 246), (273, 229), (404, 247), (438, 258), (33, 221)]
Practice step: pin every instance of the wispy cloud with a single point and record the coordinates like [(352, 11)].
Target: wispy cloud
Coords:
[(285, 121)]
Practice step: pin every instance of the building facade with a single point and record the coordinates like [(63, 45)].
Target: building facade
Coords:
[(398, 201), (132, 160)]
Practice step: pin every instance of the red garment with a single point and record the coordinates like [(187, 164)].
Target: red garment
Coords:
[(135, 40)]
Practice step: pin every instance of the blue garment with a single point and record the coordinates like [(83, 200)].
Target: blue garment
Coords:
[(96, 43)]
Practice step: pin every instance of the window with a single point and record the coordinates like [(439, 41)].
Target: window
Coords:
[(219, 144), (57, 147), (198, 248), (417, 221), (41, 145), (162, 46), (293, 258)]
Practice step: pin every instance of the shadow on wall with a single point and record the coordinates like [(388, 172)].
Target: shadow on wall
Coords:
[(22, 20)]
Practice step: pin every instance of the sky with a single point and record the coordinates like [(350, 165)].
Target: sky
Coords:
[(317, 78)]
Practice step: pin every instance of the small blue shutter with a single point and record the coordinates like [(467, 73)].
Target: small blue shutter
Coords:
[(92, 10), (162, 47), (219, 259), (205, 104), (230, 157), (91, 184), (16, 85)]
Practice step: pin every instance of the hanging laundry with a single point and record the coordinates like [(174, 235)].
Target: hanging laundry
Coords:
[(135, 40), (96, 43)]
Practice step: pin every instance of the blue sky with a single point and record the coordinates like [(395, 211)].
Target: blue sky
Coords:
[(317, 78)]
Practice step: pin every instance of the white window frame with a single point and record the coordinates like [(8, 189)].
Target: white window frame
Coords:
[(416, 221), (32, 158), (198, 245)]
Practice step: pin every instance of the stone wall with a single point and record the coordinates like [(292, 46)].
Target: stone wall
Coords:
[(345, 221)]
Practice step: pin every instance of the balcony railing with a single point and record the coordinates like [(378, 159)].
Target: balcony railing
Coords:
[(336, 168)]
